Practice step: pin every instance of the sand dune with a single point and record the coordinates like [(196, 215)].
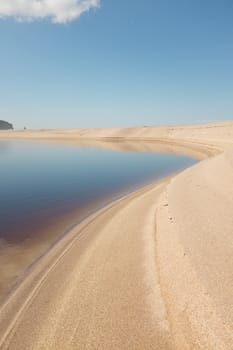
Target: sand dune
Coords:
[(216, 134), (153, 270)]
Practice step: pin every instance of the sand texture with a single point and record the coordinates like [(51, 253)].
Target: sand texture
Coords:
[(153, 270)]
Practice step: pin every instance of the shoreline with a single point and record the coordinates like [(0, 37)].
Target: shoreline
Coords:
[(17, 255), (155, 285), (39, 270)]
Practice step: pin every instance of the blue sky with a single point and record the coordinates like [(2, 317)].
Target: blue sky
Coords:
[(126, 62)]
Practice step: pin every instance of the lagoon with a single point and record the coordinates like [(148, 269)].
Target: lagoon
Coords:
[(46, 188)]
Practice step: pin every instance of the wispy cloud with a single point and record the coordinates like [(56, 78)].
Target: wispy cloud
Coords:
[(59, 11)]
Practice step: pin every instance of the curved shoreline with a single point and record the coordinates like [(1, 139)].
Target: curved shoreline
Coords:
[(132, 286), (20, 299)]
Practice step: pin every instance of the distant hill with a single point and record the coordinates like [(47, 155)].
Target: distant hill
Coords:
[(5, 125)]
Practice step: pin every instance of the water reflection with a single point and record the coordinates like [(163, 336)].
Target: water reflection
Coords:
[(40, 181), (47, 187), (4, 147)]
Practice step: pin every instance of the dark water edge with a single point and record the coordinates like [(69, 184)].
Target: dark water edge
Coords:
[(46, 189)]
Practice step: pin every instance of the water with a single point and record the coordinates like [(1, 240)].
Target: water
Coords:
[(47, 187), (39, 181)]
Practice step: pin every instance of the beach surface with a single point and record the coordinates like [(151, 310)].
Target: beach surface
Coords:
[(152, 270)]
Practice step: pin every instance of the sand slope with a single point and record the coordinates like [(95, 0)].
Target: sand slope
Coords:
[(102, 293), (195, 244)]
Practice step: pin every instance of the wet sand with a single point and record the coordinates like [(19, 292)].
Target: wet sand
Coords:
[(150, 271)]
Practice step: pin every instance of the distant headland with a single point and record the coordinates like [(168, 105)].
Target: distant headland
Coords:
[(5, 125)]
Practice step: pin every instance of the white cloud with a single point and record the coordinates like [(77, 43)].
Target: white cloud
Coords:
[(59, 11)]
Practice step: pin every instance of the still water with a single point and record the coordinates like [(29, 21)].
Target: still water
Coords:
[(47, 188), (40, 182)]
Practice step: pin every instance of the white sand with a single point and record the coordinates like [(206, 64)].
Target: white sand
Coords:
[(151, 271)]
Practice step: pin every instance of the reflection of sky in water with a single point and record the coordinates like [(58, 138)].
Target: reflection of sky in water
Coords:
[(39, 179)]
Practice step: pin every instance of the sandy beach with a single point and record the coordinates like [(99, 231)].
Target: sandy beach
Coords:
[(152, 270)]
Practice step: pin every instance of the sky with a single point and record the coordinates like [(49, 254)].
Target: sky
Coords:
[(102, 63)]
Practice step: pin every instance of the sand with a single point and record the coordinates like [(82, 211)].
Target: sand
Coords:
[(153, 270)]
